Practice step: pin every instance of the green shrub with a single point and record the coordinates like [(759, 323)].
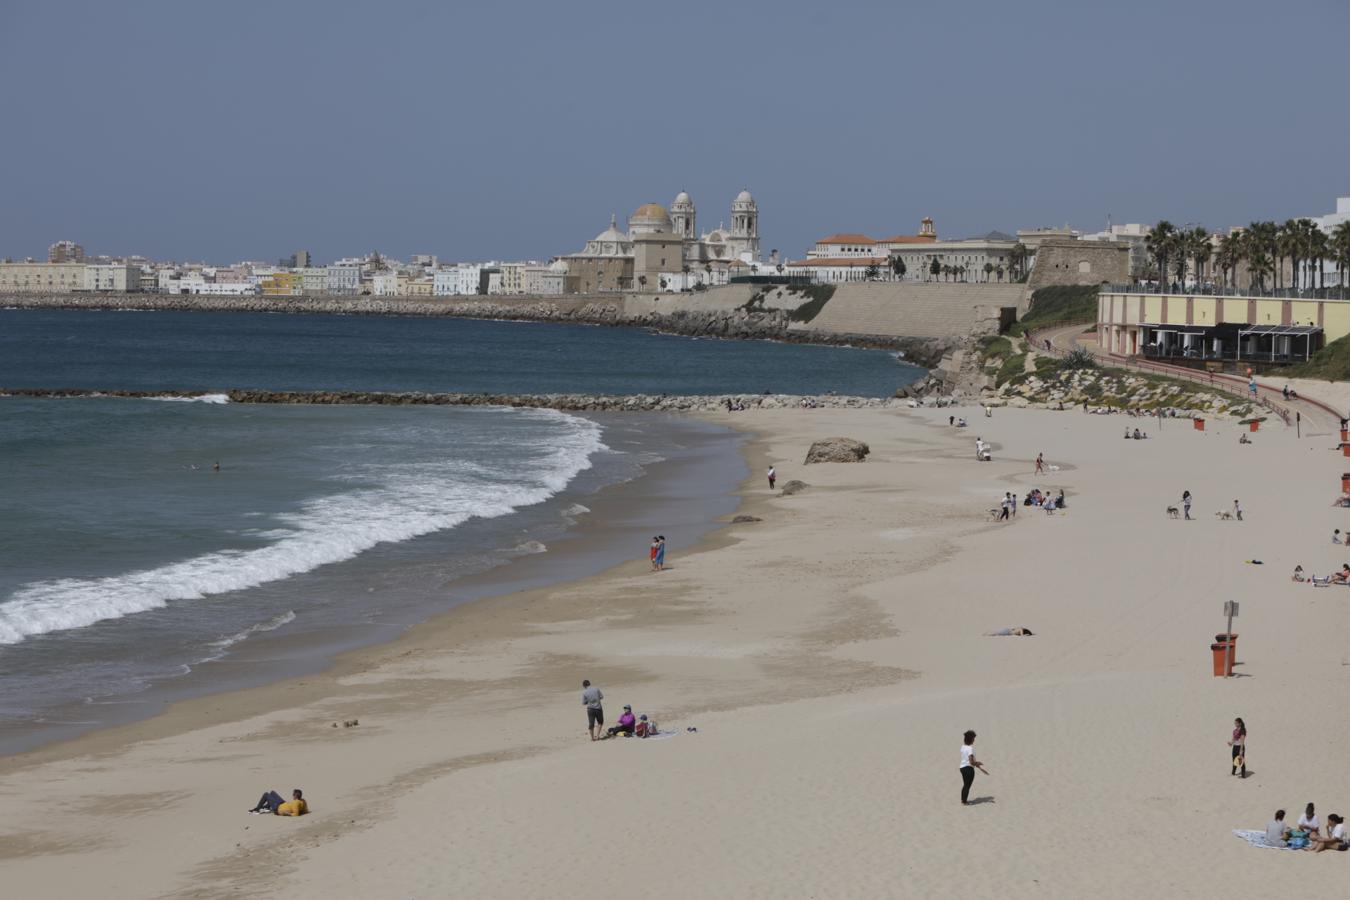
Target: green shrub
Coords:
[(1061, 305), (817, 296), (1013, 365)]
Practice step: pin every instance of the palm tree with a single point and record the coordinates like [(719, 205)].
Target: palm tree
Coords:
[(1256, 250), (1228, 257), (1290, 244), (1317, 249), (1017, 260), (1201, 250), (1340, 246), (988, 269), (1160, 242)]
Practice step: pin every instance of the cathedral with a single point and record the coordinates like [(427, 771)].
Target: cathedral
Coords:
[(664, 250)]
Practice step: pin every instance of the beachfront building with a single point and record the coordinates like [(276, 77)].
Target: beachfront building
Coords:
[(851, 256), (36, 277), (112, 277), (384, 284), (343, 278), (1216, 332), (539, 280), (281, 284)]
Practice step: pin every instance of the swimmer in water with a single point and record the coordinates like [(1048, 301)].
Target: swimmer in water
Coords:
[(216, 467)]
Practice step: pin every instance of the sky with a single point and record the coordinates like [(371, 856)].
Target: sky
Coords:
[(512, 130)]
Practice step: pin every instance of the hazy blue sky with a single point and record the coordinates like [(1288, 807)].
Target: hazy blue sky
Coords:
[(239, 130)]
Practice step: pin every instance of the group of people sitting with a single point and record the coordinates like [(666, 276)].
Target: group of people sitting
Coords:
[(1341, 577), (955, 422), (1307, 832), (1042, 499), (1137, 435), (628, 726)]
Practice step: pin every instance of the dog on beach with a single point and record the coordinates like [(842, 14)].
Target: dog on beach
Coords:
[(1223, 515), (1173, 512)]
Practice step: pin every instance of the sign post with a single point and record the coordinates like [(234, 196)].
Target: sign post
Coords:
[(1298, 422), (1230, 609)]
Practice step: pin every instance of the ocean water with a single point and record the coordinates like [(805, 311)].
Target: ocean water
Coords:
[(132, 571), (218, 351)]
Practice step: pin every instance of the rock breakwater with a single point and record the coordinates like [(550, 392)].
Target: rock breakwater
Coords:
[(564, 402)]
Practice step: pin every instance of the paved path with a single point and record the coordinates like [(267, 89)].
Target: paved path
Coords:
[(1316, 414)]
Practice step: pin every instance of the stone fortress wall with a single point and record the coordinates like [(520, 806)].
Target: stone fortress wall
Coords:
[(1064, 262)]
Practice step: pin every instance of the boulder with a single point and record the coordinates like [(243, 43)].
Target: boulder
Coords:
[(742, 520), (837, 449), (794, 487)]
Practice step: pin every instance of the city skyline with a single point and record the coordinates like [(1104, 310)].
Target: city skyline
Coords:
[(246, 133)]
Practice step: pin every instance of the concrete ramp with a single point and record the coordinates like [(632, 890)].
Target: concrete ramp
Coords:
[(915, 309)]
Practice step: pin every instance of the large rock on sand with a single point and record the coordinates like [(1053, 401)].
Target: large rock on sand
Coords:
[(793, 487), (837, 449)]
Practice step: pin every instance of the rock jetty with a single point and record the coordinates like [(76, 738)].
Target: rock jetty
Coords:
[(565, 402), (837, 449)]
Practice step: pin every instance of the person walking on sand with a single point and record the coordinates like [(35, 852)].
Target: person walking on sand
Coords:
[(773, 477), (660, 552), (1237, 510), (1003, 516), (1186, 503), (968, 766), (1040, 464), (591, 698), (1239, 745)]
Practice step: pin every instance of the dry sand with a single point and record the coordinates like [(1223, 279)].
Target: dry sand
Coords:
[(830, 657)]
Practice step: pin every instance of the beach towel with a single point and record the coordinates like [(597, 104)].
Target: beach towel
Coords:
[(1257, 838), (661, 736)]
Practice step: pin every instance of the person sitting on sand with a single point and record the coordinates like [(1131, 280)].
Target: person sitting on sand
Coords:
[(1277, 833), (1298, 574), (1242, 439), (1336, 840), (1308, 823), (627, 723), (271, 802), (1336, 536), (1341, 577), (960, 423)]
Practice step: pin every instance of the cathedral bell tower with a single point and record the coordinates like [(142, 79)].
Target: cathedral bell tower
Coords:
[(682, 217), (745, 225)]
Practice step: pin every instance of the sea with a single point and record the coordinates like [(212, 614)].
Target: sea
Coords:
[(152, 550)]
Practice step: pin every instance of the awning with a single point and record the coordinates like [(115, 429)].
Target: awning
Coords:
[(1179, 329), (1282, 330)]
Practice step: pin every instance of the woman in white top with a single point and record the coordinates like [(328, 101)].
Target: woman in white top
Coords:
[(1335, 841), (1309, 822), (968, 766)]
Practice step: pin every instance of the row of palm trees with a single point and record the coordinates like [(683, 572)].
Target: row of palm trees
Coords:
[(1261, 250)]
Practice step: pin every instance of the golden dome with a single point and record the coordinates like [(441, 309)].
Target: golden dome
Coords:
[(652, 211)]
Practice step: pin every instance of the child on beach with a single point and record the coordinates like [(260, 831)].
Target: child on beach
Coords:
[(773, 477), (651, 551), (968, 766), (1239, 745)]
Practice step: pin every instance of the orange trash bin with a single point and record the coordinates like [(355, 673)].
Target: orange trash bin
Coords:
[(1256, 426), (1345, 435), (1223, 664), (1198, 423), (1345, 449), (1345, 482)]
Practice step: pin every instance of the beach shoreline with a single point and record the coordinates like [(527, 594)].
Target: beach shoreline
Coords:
[(829, 654), (690, 489)]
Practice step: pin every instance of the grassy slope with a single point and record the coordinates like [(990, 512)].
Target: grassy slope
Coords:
[(1331, 363), (1063, 304)]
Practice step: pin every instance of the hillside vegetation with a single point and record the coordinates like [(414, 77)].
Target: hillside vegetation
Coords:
[(1060, 305), (1331, 363)]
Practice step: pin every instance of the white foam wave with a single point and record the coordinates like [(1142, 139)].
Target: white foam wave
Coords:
[(532, 547), (204, 398), (411, 500), (271, 624), (576, 509)]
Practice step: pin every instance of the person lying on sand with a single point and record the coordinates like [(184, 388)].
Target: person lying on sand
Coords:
[(1010, 632), (271, 802)]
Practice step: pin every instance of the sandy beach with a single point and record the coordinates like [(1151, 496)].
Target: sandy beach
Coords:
[(830, 656)]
